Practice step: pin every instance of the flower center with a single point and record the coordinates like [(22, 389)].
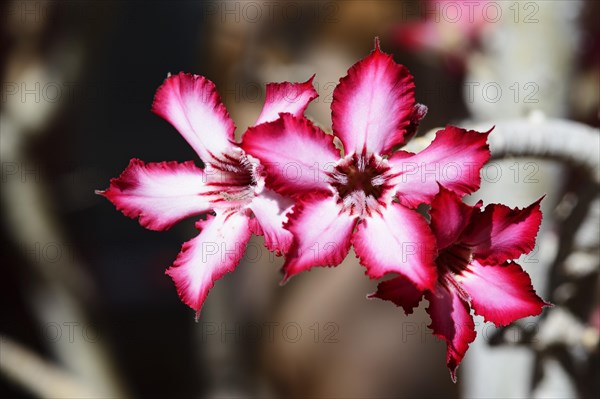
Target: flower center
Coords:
[(235, 177), (455, 258), (360, 182), (452, 262)]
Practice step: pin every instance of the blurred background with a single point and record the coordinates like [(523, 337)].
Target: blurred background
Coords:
[(87, 309)]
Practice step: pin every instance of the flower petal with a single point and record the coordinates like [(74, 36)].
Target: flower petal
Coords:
[(295, 153), (192, 105), (501, 294), (204, 259), (160, 194), (401, 292), (372, 104), (292, 98), (270, 210), (451, 321), (449, 217), (500, 233), (397, 240), (454, 159), (321, 234)]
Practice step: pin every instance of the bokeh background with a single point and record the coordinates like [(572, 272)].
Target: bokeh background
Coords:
[(87, 310)]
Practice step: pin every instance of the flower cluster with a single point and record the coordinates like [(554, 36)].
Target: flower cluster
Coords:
[(287, 181)]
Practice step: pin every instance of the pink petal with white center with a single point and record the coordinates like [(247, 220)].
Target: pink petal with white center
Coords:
[(500, 233), (449, 217), (501, 294), (270, 211), (292, 98), (401, 292), (372, 104), (192, 105), (321, 234), (160, 194), (295, 153), (451, 321), (397, 240), (454, 159), (216, 251)]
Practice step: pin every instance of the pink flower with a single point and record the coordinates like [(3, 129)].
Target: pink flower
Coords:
[(475, 271), (367, 197), (229, 190)]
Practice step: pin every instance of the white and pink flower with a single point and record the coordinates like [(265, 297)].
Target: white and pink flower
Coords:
[(367, 197), (475, 271), (229, 190)]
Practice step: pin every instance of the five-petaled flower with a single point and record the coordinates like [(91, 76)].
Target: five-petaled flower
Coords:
[(229, 190), (368, 197), (476, 248)]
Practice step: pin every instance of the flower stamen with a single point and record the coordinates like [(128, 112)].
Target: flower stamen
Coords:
[(360, 183)]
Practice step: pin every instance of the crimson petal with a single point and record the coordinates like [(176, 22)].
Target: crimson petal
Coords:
[(500, 233), (397, 240), (453, 159), (449, 217), (401, 292), (270, 210), (372, 104), (295, 153), (321, 234), (501, 294), (192, 105), (451, 321), (292, 98), (206, 258), (160, 194)]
